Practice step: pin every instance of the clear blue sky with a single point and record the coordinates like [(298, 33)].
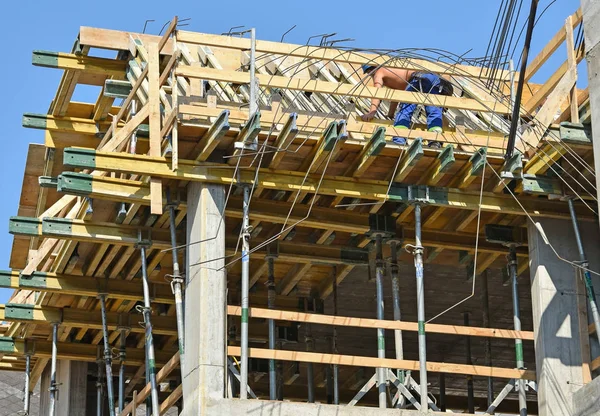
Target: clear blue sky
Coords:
[(456, 26)]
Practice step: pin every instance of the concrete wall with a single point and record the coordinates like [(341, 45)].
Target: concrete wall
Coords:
[(71, 377), (557, 294)]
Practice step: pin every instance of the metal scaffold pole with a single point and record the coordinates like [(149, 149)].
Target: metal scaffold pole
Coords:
[(245, 293), (122, 358), (253, 85), (270, 257), (418, 253), (512, 266), (26, 392), (308, 338), (53, 385), (177, 280), (485, 307), (470, 391), (334, 350), (146, 311), (398, 345), (381, 372), (107, 357), (586, 274), (99, 364)]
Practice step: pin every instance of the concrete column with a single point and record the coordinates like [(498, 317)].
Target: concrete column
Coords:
[(205, 301), (591, 25), (559, 310), (71, 377)]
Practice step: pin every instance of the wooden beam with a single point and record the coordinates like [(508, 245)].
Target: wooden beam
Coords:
[(350, 360), (313, 318), (347, 90), (156, 197), (78, 62), (413, 153), (82, 286)]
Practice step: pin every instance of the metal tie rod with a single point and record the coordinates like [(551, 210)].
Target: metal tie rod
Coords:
[(53, 386), (107, 357), (245, 293)]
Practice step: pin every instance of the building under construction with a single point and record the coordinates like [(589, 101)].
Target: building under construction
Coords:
[(221, 232)]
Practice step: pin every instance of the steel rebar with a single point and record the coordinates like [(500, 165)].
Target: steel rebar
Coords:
[(245, 290), (150, 356)]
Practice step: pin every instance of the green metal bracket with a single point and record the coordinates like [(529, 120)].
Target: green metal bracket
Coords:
[(220, 127), (45, 59), (75, 183), (533, 184), (342, 130), (143, 130), (575, 133), (37, 280), (330, 136), (514, 164), (5, 278), (419, 193), (415, 151), (18, 311), (251, 129), (377, 142), (446, 158), (477, 161), (116, 88), (48, 181), (7, 344), (79, 157), (57, 226), (35, 121), (24, 226)]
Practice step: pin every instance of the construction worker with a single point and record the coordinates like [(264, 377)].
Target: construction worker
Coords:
[(409, 80)]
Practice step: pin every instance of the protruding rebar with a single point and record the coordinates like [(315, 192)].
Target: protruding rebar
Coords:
[(245, 293), (107, 358), (150, 356), (53, 385)]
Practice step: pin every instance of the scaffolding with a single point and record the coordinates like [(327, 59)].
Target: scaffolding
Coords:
[(315, 198)]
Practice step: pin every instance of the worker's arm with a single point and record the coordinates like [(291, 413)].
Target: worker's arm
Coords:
[(378, 83)]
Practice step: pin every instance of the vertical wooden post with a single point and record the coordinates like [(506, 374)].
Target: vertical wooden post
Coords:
[(572, 64), (154, 121)]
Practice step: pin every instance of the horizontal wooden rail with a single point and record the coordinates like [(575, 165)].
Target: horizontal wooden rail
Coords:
[(375, 323), (349, 90), (359, 361)]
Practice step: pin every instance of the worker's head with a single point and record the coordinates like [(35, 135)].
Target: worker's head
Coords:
[(368, 69)]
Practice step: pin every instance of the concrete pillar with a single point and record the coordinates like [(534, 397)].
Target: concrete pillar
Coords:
[(559, 310), (71, 377), (205, 302), (591, 25)]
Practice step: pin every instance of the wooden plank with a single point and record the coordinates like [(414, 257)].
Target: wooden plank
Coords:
[(171, 365), (359, 361), (572, 64), (171, 400), (545, 116), (156, 206), (319, 319), (551, 47), (324, 87)]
